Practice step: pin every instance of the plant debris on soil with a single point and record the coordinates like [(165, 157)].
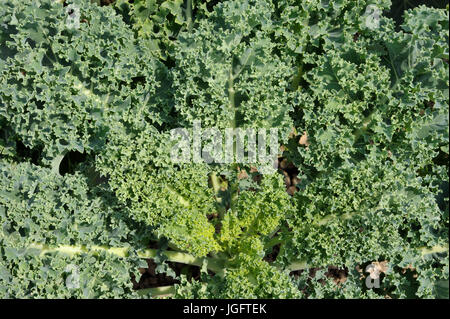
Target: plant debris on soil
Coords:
[(290, 173)]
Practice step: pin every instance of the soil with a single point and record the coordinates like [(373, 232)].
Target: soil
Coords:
[(150, 279), (338, 275), (273, 254), (290, 173), (106, 2)]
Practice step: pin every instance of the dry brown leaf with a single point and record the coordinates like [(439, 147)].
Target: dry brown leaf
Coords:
[(283, 164), (382, 266), (295, 180), (242, 174), (287, 181), (304, 139), (377, 268), (292, 190)]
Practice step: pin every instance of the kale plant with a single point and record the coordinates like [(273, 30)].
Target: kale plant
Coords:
[(91, 96)]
